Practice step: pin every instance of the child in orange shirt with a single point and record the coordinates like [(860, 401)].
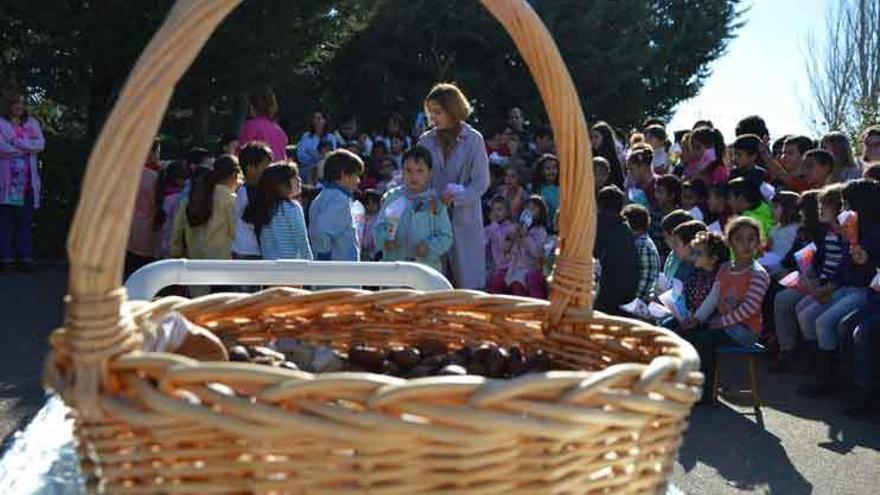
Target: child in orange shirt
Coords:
[(737, 297)]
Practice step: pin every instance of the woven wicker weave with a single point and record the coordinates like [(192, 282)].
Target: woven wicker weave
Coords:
[(609, 421)]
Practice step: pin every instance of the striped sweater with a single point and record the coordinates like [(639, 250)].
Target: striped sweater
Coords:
[(285, 236), (833, 251), (737, 296)]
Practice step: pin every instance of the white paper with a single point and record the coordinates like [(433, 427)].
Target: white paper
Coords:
[(875, 282), (393, 212), (454, 189), (696, 213), (168, 335), (663, 283), (671, 298), (658, 311), (715, 227)]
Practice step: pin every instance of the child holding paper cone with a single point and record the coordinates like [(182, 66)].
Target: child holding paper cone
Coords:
[(414, 225), (852, 283)]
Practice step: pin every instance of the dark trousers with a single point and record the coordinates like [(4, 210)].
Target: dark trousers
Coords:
[(16, 238), (858, 333)]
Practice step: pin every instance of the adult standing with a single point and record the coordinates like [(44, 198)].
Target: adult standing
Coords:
[(21, 139), (461, 177), (261, 124), (307, 154)]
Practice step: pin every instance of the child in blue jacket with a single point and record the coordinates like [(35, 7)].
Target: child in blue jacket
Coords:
[(413, 224)]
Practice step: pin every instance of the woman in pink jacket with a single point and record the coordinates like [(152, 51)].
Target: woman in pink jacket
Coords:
[(261, 124), (21, 139)]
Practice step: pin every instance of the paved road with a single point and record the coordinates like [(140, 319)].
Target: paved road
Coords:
[(793, 447)]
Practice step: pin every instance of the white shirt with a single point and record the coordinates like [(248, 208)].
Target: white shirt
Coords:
[(245, 241)]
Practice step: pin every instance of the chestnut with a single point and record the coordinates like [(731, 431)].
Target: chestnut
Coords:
[(430, 347), (496, 361), (366, 356), (406, 357)]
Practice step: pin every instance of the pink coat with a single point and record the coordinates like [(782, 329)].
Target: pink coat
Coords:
[(265, 130), (15, 148)]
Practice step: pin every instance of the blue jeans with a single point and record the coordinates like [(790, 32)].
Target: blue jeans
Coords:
[(16, 239), (857, 333), (845, 301)]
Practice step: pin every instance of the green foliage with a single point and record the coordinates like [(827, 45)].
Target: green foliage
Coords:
[(629, 58)]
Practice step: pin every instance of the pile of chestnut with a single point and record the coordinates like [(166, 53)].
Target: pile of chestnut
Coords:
[(427, 357)]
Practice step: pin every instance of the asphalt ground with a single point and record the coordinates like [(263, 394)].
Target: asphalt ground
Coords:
[(790, 446)]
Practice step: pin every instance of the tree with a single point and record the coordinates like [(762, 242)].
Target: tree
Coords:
[(79, 52), (630, 58), (844, 72)]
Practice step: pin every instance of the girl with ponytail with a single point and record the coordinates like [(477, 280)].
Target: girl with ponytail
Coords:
[(204, 224)]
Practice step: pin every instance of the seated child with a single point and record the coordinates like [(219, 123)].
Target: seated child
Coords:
[(601, 173), (735, 299), (717, 210), (668, 225), (746, 150), (422, 231), (708, 251), (744, 198), (648, 262), (694, 198), (786, 216), (616, 253), (680, 241), (513, 191), (818, 168)]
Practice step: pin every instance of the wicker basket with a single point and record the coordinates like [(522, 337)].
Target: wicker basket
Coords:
[(609, 421)]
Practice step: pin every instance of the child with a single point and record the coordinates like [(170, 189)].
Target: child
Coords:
[(372, 202), (679, 264), (694, 198), (168, 198), (818, 168), (499, 237), (525, 277), (254, 157), (746, 150), (667, 226), (668, 194), (744, 198), (642, 177), (601, 173), (513, 191), (852, 284), (787, 217), (708, 144), (789, 168), (792, 305), (547, 184), (382, 180), (708, 252), (735, 299), (655, 137), (143, 237), (204, 224), (332, 230), (716, 205), (277, 218), (616, 253), (648, 259), (422, 231)]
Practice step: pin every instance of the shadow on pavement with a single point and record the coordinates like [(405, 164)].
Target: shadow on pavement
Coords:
[(742, 452)]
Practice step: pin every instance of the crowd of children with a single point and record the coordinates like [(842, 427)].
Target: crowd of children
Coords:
[(751, 243), (756, 243)]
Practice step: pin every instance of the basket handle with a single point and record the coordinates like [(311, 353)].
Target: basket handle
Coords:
[(95, 319), (572, 282)]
